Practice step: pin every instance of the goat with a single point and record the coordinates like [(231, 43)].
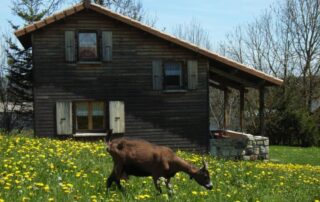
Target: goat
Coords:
[(142, 158)]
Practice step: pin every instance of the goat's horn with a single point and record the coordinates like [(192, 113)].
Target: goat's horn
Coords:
[(205, 165)]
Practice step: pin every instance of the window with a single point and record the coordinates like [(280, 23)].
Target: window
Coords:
[(90, 116), (88, 49), (173, 75)]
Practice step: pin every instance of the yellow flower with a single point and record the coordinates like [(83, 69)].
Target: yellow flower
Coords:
[(25, 199), (39, 184), (194, 193), (46, 188)]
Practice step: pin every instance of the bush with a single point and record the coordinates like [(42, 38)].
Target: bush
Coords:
[(292, 128)]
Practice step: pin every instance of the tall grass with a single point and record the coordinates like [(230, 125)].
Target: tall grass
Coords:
[(33, 169)]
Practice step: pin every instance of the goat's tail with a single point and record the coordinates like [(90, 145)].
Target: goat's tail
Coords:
[(108, 136)]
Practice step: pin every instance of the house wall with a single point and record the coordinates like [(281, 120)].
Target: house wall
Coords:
[(178, 120)]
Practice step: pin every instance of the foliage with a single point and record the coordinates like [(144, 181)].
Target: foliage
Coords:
[(285, 42), (18, 91), (291, 127), (42, 169)]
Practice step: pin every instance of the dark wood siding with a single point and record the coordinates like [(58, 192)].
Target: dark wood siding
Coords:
[(178, 120)]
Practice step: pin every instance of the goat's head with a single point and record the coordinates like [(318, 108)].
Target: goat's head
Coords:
[(202, 177)]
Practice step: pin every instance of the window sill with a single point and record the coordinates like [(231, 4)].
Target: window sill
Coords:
[(89, 134), (89, 62), (175, 91)]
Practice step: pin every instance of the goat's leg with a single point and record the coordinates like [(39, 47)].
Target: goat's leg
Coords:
[(109, 181), (156, 184), (169, 186), (114, 177)]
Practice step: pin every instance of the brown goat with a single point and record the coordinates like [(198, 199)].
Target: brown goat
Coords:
[(141, 158)]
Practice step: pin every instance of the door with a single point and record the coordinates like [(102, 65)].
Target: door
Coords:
[(117, 116)]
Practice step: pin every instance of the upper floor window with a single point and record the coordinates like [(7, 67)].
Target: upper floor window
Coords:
[(88, 46), (173, 75)]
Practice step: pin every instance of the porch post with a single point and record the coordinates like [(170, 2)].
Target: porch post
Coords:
[(261, 109), (241, 108), (225, 107)]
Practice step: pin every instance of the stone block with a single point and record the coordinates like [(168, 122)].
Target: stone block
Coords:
[(213, 151), (262, 150), (225, 153), (246, 158), (249, 150), (253, 157), (256, 150)]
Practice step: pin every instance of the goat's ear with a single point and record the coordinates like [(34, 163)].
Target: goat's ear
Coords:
[(205, 165)]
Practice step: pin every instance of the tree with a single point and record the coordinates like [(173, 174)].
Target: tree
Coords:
[(131, 8), (284, 42), (19, 60), (194, 33), (8, 106)]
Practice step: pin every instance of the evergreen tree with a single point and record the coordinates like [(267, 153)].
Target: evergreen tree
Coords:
[(20, 59)]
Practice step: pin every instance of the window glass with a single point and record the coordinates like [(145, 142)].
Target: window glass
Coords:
[(82, 115), (173, 75), (90, 116), (88, 46), (97, 115)]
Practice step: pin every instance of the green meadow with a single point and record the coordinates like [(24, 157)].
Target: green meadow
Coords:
[(33, 169)]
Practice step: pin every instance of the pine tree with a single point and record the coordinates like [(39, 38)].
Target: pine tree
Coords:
[(20, 59)]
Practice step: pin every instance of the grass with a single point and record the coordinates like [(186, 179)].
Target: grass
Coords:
[(34, 169), (297, 155)]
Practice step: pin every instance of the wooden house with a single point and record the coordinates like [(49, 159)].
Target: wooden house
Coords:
[(95, 69)]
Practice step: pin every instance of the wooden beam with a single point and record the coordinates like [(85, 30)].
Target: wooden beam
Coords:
[(225, 82), (261, 109), (232, 76), (241, 109), (225, 109), (217, 85)]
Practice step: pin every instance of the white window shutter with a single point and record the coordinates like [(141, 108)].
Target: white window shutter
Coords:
[(157, 74), (70, 51), (192, 74), (106, 46), (117, 116), (64, 118)]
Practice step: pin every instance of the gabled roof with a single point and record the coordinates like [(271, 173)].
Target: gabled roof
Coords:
[(25, 38)]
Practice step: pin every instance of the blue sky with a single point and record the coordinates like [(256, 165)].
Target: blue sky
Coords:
[(218, 16)]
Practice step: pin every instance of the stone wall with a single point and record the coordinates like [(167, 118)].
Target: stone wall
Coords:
[(243, 147)]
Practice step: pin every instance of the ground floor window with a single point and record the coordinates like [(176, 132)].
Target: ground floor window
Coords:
[(90, 116)]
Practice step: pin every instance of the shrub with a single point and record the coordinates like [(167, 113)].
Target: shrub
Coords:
[(292, 128)]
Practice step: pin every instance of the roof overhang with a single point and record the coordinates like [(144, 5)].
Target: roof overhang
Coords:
[(24, 35)]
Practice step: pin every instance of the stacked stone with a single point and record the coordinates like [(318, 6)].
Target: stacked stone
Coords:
[(246, 147)]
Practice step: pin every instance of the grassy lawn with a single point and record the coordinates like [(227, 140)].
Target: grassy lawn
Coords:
[(50, 170), (297, 155)]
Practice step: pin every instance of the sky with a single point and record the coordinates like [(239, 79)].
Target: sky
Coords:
[(218, 17)]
